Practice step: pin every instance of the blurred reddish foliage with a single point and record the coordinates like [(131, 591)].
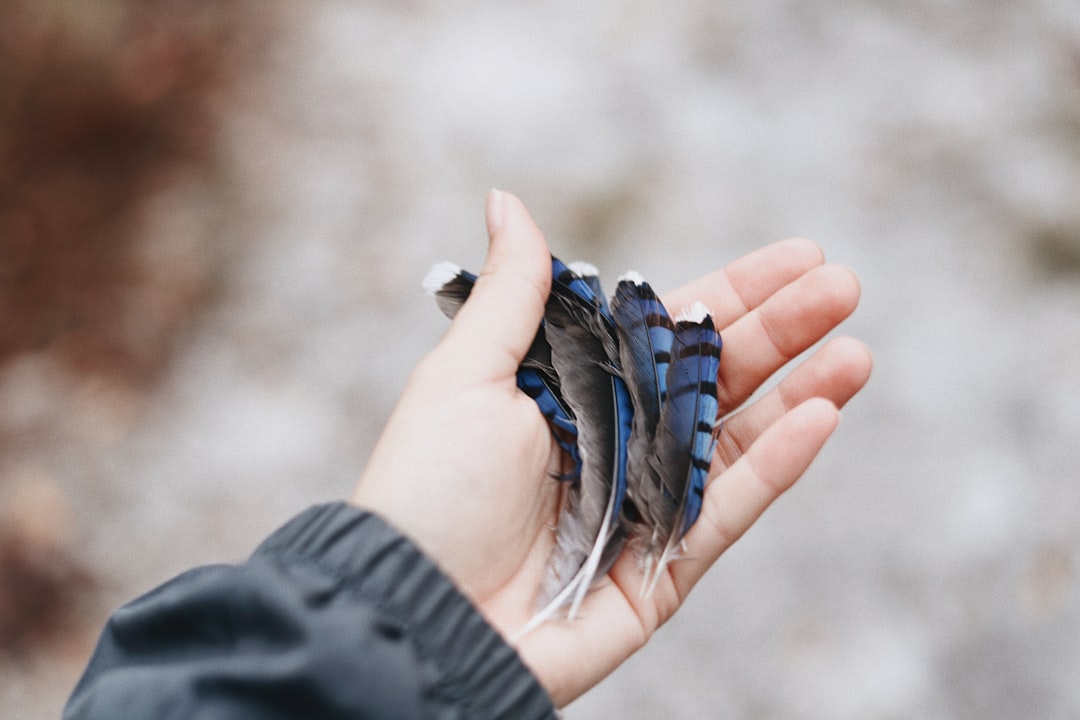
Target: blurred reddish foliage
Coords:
[(43, 587), (101, 104), (38, 596), (104, 104)]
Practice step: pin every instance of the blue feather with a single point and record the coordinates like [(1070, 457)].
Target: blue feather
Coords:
[(591, 276), (563, 428), (631, 398), (685, 439), (584, 348), (646, 335), (451, 287)]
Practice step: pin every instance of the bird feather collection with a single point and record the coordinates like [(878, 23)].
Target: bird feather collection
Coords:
[(631, 399)]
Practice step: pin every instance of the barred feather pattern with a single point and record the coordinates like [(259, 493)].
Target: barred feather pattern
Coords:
[(685, 439), (631, 398), (646, 334)]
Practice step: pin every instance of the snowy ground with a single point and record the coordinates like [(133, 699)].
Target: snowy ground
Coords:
[(926, 567)]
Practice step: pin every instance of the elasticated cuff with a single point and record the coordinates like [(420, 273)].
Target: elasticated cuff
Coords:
[(477, 670)]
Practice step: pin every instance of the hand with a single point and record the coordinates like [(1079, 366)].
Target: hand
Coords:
[(465, 464)]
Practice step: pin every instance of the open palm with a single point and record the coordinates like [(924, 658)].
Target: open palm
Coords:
[(465, 464)]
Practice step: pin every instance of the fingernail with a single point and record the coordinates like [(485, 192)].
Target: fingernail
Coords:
[(494, 211)]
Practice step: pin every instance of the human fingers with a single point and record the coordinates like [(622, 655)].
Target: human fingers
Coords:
[(500, 319), (791, 320), (732, 291), (836, 371), (615, 620), (737, 497)]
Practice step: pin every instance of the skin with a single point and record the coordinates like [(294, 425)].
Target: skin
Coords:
[(480, 500)]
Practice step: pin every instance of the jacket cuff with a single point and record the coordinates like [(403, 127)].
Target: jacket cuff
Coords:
[(476, 669)]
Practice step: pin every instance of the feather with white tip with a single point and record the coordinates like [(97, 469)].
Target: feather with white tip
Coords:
[(685, 438), (584, 350), (451, 287)]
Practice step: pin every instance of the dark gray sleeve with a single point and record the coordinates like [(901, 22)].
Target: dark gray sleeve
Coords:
[(336, 615)]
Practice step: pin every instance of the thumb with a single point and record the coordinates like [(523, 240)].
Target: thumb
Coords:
[(498, 322)]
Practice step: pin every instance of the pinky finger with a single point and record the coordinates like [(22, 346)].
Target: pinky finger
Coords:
[(736, 498)]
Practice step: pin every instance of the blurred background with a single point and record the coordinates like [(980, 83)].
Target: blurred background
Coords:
[(214, 220)]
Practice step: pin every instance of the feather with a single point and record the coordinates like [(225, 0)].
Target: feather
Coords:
[(646, 333), (584, 350), (685, 438), (630, 396), (559, 418), (591, 276), (451, 287)]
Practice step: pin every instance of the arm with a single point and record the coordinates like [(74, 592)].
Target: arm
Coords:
[(336, 615)]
